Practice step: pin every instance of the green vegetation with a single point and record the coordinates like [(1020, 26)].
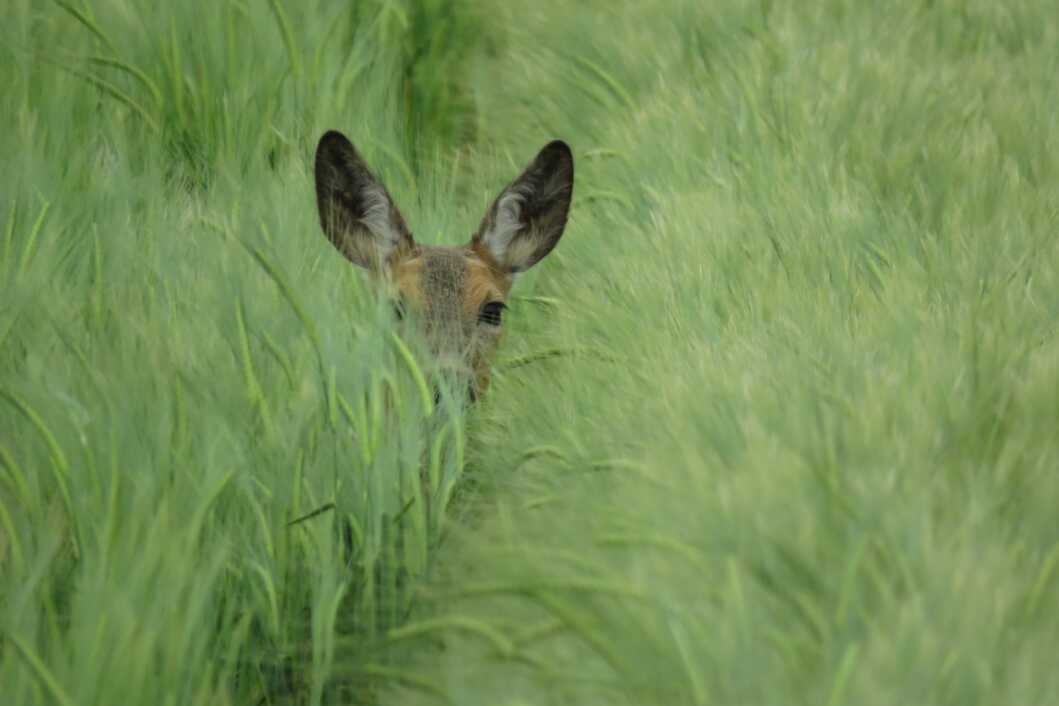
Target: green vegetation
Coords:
[(775, 424)]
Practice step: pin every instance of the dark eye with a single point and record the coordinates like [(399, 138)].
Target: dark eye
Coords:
[(491, 313)]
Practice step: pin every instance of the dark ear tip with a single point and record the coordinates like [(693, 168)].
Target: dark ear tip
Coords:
[(333, 140), (333, 135), (557, 157), (558, 148)]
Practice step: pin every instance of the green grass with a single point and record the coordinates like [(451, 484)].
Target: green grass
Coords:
[(775, 424)]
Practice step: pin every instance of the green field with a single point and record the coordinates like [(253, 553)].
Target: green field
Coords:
[(776, 423)]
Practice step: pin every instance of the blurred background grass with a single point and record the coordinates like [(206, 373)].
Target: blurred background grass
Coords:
[(774, 424)]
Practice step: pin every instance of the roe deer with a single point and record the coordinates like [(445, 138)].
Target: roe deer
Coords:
[(456, 294)]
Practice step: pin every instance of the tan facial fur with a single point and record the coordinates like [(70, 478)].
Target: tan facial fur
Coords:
[(454, 295), (445, 290)]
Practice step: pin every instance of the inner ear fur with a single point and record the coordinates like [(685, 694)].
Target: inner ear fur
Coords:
[(527, 219), (356, 211)]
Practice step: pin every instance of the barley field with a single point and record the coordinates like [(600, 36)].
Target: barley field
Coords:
[(776, 423)]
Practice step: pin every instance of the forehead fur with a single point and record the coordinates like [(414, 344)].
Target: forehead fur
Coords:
[(450, 281)]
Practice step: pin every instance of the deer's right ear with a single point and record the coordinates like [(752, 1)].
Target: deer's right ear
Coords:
[(356, 212), (528, 217)]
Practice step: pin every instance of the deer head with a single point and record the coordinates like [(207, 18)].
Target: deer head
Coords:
[(455, 295)]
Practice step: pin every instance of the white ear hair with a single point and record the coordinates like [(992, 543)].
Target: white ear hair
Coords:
[(506, 224), (377, 218)]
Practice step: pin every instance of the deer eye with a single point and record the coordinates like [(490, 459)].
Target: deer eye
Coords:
[(491, 313)]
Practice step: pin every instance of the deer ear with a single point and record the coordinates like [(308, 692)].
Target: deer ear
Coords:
[(528, 217), (356, 212)]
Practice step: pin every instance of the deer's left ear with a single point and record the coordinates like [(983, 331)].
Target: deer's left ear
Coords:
[(528, 217)]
